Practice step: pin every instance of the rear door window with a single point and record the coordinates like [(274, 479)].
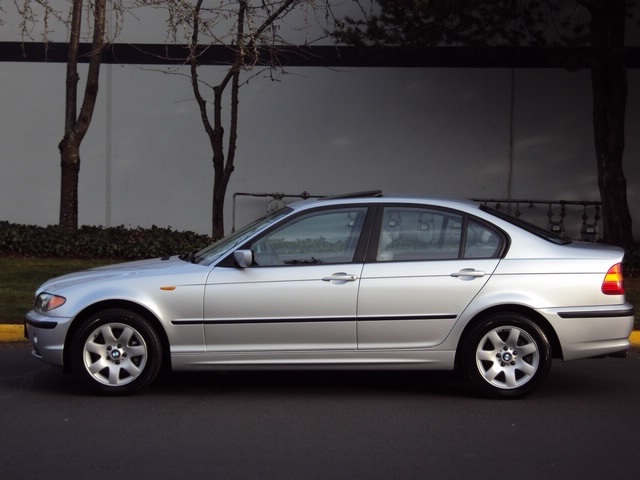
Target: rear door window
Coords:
[(416, 234)]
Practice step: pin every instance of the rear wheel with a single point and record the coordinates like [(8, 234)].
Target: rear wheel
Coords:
[(116, 352), (507, 355)]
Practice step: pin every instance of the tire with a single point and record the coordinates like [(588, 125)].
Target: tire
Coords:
[(116, 352), (507, 356)]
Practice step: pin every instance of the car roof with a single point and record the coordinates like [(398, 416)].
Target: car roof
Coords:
[(376, 196)]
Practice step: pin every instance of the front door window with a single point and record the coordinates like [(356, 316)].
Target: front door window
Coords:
[(326, 237)]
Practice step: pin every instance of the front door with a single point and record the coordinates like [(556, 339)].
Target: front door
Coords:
[(299, 295)]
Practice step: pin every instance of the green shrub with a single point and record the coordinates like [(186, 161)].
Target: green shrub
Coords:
[(118, 243)]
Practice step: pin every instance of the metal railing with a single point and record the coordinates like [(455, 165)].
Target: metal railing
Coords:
[(276, 202), (575, 219)]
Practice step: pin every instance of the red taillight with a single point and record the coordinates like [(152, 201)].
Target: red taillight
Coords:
[(613, 281)]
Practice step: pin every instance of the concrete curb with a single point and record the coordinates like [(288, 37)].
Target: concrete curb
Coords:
[(15, 333), (12, 333)]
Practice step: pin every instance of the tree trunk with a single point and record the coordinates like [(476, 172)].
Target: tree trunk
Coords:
[(609, 84), (223, 170), (75, 128), (223, 163), (70, 173), (219, 183)]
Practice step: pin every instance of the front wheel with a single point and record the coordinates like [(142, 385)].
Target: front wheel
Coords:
[(507, 355), (116, 352)]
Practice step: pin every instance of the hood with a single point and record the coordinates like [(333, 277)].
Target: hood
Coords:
[(139, 269)]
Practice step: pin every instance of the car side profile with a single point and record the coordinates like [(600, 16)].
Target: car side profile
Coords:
[(360, 281)]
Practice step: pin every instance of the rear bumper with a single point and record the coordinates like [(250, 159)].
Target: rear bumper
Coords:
[(592, 331)]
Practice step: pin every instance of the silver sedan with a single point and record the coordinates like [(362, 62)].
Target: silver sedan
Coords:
[(365, 281)]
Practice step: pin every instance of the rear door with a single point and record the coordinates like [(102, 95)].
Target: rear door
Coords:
[(425, 267)]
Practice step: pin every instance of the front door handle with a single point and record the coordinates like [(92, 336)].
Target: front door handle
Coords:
[(468, 272), (340, 277)]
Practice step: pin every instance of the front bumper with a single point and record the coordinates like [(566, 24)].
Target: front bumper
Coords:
[(47, 335)]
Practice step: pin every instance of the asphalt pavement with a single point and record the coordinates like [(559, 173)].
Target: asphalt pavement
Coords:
[(336, 425)]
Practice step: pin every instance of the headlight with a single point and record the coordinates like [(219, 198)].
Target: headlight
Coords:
[(47, 302)]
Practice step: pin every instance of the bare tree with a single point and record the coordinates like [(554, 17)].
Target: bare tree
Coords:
[(76, 121), (253, 38), (609, 89), (527, 23)]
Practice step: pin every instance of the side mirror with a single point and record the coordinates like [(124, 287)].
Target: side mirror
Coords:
[(244, 258)]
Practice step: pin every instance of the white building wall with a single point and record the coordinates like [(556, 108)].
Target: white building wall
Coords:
[(146, 159), (441, 131)]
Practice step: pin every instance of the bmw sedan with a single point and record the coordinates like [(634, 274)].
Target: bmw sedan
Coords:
[(353, 282)]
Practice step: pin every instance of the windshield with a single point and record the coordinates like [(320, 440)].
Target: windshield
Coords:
[(214, 251), (529, 227)]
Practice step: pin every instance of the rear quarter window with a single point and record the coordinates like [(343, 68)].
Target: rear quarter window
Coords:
[(524, 225)]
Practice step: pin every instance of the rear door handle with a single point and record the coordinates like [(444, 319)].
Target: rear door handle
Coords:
[(468, 272), (340, 277)]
